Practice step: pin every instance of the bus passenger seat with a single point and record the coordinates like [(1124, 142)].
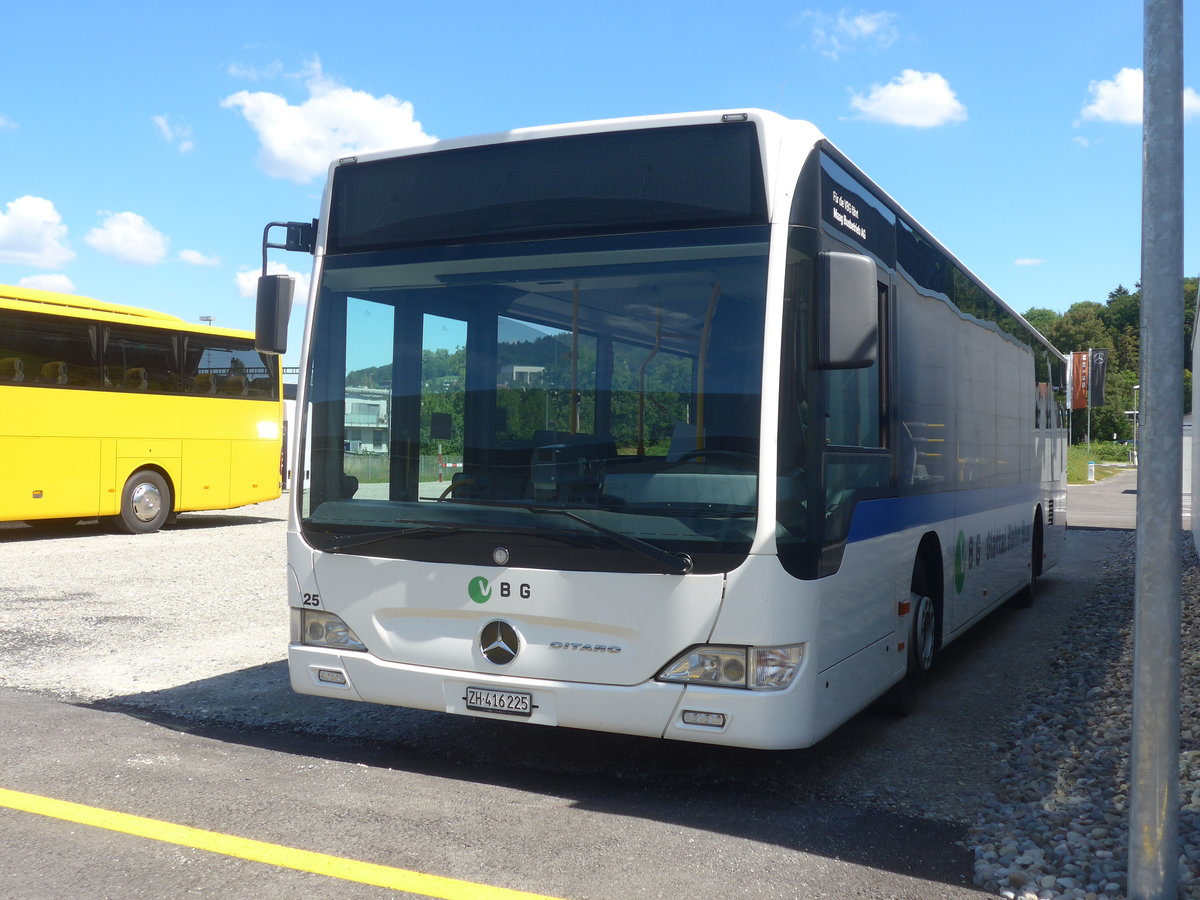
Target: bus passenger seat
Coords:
[(205, 383), (135, 379), (234, 385), (12, 369), (54, 373)]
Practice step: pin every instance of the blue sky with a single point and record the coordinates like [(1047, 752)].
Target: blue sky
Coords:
[(145, 145)]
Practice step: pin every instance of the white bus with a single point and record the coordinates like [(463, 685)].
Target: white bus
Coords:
[(743, 446)]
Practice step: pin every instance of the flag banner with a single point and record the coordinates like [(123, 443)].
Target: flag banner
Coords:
[(1079, 380), (1097, 373)]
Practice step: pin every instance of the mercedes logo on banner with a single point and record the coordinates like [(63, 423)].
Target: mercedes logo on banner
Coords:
[(499, 642)]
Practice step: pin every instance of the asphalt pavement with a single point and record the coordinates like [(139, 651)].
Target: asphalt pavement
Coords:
[(1110, 503), (867, 813)]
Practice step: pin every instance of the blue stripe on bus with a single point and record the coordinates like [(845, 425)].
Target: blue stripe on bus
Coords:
[(876, 518)]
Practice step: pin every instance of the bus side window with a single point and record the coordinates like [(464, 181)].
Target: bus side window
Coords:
[(47, 350), (227, 367), (142, 360)]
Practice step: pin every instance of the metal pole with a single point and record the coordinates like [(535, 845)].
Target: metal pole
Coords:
[(1154, 762), (1087, 381)]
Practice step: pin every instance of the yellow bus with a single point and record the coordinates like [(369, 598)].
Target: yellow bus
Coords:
[(129, 415)]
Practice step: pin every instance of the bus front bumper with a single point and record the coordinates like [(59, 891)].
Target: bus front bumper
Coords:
[(741, 718)]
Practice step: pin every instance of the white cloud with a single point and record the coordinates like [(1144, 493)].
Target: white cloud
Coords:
[(32, 234), (6, 122), (912, 99), (1120, 100), (130, 238), (253, 73), (60, 283), (196, 258), (179, 134), (834, 36), (1028, 261), (299, 142), (247, 281)]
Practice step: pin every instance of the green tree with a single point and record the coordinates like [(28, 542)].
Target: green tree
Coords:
[(1080, 328), (1111, 418), (1126, 350), (1189, 322), (1041, 319), (1122, 311)]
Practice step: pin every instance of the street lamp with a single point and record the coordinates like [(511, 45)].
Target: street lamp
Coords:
[(207, 320)]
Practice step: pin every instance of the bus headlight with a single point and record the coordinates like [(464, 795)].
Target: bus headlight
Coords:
[(774, 668), (754, 668), (322, 629)]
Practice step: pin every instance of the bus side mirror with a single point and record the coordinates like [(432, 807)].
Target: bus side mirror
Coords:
[(847, 311), (274, 310)]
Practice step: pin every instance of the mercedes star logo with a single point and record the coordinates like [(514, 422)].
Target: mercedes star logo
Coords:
[(499, 642)]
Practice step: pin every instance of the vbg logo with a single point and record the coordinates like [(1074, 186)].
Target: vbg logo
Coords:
[(968, 553), (479, 589)]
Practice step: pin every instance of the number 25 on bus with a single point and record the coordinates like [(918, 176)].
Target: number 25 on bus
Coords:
[(737, 447)]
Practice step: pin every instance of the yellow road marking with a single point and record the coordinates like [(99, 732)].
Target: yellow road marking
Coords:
[(259, 851)]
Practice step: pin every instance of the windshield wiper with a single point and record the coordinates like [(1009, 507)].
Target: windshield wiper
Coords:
[(354, 541), (674, 563)]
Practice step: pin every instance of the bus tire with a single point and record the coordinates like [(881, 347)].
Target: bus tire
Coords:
[(921, 646), (1024, 598), (145, 503)]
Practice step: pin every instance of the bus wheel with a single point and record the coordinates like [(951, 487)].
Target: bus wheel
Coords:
[(1024, 598), (921, 646), (923, 640), (145, 503)]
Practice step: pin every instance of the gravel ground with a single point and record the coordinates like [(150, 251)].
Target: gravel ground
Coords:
[(102, 598), (1058, 823), (1045, 817)]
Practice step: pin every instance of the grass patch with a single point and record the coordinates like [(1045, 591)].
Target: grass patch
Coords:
[(1100, 452)]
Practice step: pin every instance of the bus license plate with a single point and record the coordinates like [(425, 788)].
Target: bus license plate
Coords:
[(512, 703)]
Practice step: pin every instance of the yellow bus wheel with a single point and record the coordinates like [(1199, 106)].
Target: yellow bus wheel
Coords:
[(145, 503)]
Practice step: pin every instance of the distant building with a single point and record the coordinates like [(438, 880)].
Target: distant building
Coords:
[(367, 419), (528, 375)]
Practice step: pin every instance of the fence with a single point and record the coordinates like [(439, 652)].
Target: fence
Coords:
[(372, 468)]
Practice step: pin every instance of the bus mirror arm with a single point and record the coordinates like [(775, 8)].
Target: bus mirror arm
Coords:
[(274, 310), (847, 310), (275, 291), (301, 236)]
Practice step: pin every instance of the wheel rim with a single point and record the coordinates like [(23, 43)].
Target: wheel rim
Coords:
[(924, 631), (146, 501)]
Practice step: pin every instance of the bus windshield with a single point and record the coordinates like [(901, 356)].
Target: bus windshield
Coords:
[(464, 397)]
